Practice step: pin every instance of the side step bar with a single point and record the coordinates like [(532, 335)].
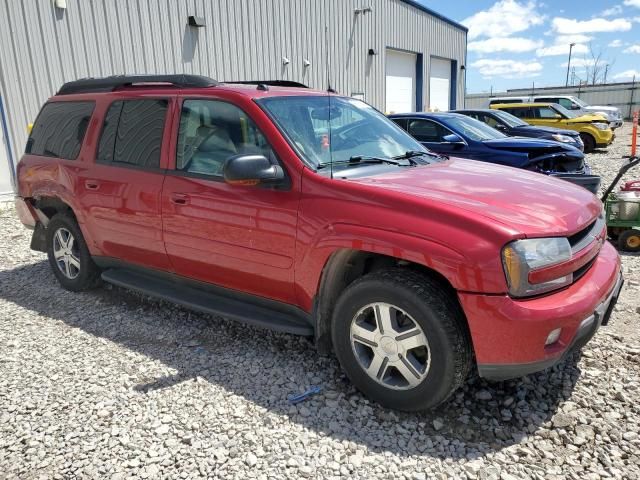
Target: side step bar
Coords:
[(287, 320)]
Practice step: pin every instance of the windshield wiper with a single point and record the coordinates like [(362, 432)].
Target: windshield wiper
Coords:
[(410, 154), (360, 160)]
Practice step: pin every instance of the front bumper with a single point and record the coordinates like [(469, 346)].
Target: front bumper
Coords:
[(509, 335)]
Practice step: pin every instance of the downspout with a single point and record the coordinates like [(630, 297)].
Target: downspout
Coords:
[(7, 141)]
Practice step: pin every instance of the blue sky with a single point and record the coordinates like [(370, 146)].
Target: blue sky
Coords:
[(513, 43)]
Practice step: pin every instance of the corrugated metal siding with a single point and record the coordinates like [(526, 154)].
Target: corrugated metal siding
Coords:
[(625, 96), (42, 47)]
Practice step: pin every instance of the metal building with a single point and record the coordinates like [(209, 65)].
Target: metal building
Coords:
[(395, 54)]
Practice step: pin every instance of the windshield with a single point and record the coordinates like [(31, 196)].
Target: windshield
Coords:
[(510, 120), (349, 128), (472, 128), (579, 102), (567, 113)]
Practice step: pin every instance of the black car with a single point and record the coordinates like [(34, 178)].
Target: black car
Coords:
[(514, 127)]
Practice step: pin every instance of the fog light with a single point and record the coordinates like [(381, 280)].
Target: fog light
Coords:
[(553, 337)]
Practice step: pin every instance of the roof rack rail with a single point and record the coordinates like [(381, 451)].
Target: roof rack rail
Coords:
[(108, 84), (272, 83)]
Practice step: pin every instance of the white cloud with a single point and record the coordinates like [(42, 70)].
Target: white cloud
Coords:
[(627, 74), (503, 18), (568, 26), (489, 68), (632, 3), (507, 44), (575, 38), (610, 12), (561, 49), (617, 43), (579, 63), (632, 49)]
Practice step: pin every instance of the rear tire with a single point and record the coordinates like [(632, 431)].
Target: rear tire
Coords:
[(589, 142), (629, 240), (69, 256), (424, 354)]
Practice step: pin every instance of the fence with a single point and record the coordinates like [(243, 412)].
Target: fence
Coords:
[(625, 96)]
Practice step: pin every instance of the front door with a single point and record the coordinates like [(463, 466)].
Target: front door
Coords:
[(235, 236), (431, 134)]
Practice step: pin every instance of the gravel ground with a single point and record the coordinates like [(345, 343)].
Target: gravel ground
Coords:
[(109, 384)]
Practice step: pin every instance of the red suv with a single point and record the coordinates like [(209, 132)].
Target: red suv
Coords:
[(311, 213)]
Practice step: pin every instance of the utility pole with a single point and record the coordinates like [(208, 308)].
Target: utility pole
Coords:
[(566, 83), (606, 69)]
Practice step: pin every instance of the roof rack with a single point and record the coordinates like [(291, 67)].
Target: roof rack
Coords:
[(108, 84), (263, 84)]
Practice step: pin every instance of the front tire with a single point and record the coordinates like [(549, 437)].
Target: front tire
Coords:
[(401, 339), (69, 256), (589, 142)]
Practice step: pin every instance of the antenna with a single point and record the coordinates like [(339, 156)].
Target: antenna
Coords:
[(329, 90)]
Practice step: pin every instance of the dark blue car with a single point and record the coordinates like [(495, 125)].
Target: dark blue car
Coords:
[(456, 135), (514, 127)]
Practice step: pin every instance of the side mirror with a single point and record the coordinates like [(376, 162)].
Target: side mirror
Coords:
[(500, 127), (557, 116), (251, 169), (453, 138)]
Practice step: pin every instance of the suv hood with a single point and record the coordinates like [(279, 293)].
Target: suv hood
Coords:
[(601, 108), (524, 143), (526, 203), (587, 118), (552, 130)]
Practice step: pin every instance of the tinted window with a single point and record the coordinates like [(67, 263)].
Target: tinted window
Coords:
[(212, 131), (520, 112), (132, 133), (59, 129), (505, 100), (427, 131), (544, 112)]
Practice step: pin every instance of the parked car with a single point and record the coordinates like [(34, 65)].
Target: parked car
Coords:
[(231, 200), (593, 130), (514, 127), (570, 102), (460, 136), (574, 104)]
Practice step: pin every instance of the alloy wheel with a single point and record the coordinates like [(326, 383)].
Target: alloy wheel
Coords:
[(66, 253), (390, 346)]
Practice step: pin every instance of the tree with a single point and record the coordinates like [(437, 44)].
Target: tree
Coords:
[(596, 65)]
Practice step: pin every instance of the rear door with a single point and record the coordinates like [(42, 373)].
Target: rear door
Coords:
[(235, 236), (121, 192)]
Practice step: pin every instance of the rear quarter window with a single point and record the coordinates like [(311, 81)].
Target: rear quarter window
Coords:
[(59, 130)]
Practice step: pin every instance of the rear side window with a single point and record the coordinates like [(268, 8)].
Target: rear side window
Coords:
[(59, 129), (505, 100), (132, 133), (520, 112)]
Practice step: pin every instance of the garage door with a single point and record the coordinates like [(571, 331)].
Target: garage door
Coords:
[(440, 84), (400, 82)]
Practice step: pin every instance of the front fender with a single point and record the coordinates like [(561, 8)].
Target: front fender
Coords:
[(460, 270)]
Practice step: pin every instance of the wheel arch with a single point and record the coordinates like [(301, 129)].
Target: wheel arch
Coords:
[(345, 266)]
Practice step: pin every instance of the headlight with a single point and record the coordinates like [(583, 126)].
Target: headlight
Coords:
[(558, 137), (601, 126), (521, 257)]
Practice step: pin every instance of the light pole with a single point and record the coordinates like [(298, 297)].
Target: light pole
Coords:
[(566, 83)]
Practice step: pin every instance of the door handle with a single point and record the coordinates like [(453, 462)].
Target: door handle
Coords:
[(179, 198), (92, 184)]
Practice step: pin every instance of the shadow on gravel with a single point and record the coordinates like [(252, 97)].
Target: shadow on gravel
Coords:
[(264, 367)]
